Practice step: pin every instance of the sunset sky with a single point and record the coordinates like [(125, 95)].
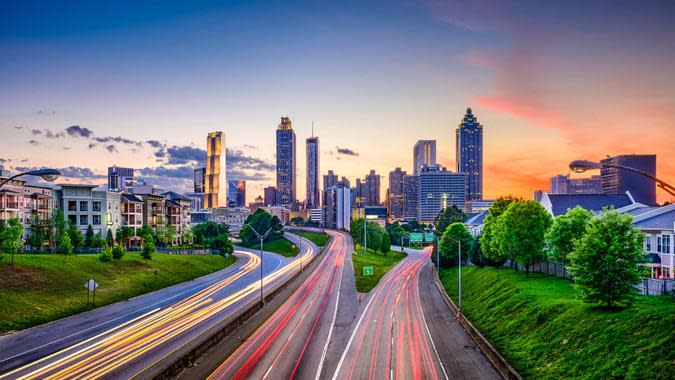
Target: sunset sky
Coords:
[(84, 86)]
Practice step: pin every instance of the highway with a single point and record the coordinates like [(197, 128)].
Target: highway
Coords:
[(133, 338), (294, 341), (393, 336)]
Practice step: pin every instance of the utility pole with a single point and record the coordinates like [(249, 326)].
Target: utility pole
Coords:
[(262, 238)]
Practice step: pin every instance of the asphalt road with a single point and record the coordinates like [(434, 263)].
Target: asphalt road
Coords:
[(294, 341), (128, 339), (402, 334)]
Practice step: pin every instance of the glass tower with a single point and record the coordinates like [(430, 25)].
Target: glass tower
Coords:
[(215, 191), (469, 150), (313, 172), (286, 163)]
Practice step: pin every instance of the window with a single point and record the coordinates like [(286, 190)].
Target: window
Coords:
[(84, 206), (96, 220), (658, 244), (96, 206), (72, 219), (84, 220), (72, 206), (648, 243), (665, 244)]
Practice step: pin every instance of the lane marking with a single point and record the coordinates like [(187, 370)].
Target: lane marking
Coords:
[(424, 318)]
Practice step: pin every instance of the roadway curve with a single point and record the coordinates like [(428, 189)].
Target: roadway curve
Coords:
[(392, 338), (294, 341), (133, 338)]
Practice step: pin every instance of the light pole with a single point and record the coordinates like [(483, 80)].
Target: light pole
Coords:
[(262, 238), (49, 175), (580, 166)]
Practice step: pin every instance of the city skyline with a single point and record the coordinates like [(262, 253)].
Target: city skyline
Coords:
[(151, 114)]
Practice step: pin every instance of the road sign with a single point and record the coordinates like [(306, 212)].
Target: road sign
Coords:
[(368, 271), (91, 285), (416, 237)]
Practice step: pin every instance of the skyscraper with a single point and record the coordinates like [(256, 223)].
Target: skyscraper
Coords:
[(438, 188), (563, 184), (424, 153), (120, 179), (469, 151), (215, 191), (329, 180), (199, 180), (337, 207), (410, 198), (286, 162), (271, 195), (395, 201), (618, 181), (236, 193), (371, 189), (313, 172)]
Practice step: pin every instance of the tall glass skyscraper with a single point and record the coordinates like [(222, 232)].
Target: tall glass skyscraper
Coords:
[(396, 198), (286, 183), (215, 190), (469, 150), (618, 181), (313, 200), (424, 153), (236, 193)]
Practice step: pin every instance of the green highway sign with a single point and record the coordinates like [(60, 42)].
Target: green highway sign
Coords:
[(416, 237), (368, 271)]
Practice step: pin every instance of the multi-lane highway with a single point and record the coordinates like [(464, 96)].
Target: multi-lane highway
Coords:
[(293, 342), (132, 338)]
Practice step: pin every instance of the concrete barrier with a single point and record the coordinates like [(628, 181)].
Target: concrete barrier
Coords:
[(497, 360)]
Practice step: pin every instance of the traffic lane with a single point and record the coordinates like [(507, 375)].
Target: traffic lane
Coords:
[(181, 329), (278, 348), (458, 352), (27, 345)]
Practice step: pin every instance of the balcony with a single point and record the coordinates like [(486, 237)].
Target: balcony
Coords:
[(9, 206)]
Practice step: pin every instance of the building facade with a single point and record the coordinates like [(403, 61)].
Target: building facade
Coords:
[(395, 201), (438, 188), (281, 212), (215, 192), (286, 158), (199, 184), (410, 209), (120, 179), (236, 193), (177, 208), (84, 206), (313, 166), (617, 180), (337, 208), (371, 189), (270, 196), (424, 153), (131, 209), (469, 152), (563, 184)]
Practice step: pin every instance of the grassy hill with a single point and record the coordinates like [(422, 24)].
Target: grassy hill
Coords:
[(315, 237), (545, 332), (42, 288), (381, 265), (282, 246)]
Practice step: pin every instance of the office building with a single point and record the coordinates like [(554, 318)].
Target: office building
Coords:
[(215, 191), (286, 157), (199, 179), (120, 179), (563, 184), (410, 211), (236, 193), (281, 212), (479, 205), (337, 208), (256, 204), (271, 196), (196, 201), (376, 214), (371, 189), (329, 180), (469, 152), (316, 215), (424, 153), (313, 199), (438, 188), (395, 194), (616, 180)]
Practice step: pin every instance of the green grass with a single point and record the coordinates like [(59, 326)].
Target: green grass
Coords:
[(381, 265), (42, 288), (281, 246), (316, 238), (545, 332)]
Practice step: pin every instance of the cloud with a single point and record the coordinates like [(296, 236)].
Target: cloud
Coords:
[(92, 145), (77, 131), (54, 135), (36, 132), (111, 148), (155, 144), (346, 151), (179, 155), (45, 112), (238, 160), (238, 174), (18, 127), (33, 142), (118, 139), (68, 172)]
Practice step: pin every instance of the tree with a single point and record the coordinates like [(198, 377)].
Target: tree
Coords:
[(412, 226), (385, 243), (223, 244), (188, 235), (59, 223), (448, 245), (476, 255), (446, 217), (37, 232), (397, 233), (605, 262), (565, 231), (124, 234), (297, 221), (118, 251), (10, 237), (109, 238), (99, 241), (261, 220), (89, 237), (144, 231), (106, 255), (487, 241), (148, 247), (205, 233), (520, 232), (162, 235), (75, 235), (63, 245)]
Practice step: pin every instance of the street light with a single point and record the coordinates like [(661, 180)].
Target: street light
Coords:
[(49, 175), (580, 166), (262, 238)]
